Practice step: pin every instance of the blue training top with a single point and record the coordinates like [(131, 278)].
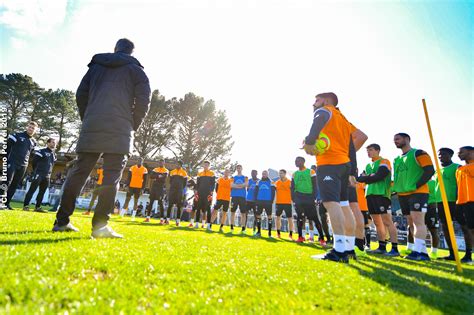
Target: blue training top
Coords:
[(251, 189), (238, 192), (264, 190)]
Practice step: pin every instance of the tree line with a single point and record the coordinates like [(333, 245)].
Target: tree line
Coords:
[(190, 129)]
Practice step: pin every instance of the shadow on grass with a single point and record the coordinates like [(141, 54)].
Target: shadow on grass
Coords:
[(39, 241), (24, 232), (441, 293), (435, 264), (238, 235)]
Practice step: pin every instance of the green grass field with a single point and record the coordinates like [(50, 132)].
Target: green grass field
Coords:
[(164, 269)]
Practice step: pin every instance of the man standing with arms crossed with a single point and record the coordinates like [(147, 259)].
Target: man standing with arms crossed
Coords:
[(412, 171), (283, 203), (238, 194), (378, 179), (448, 172), (178, 181), (264, 196), (43, 162), (158, 176), (205, 184), (303, 189), (223, 188), (250, 202), (335, 171), (136, 181), (113, 98)]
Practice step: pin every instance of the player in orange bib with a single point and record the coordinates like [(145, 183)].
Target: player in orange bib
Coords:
[(465, 201), (336, 169), (359, 220), (95, 192), (136, 183), (223, 188), (283, 203)]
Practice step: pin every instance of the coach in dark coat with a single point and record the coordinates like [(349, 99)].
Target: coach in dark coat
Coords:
[(113, 99)]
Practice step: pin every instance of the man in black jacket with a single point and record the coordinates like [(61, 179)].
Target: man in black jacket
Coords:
[(113, 98), (19, 147), (43, 162), (157, 191)]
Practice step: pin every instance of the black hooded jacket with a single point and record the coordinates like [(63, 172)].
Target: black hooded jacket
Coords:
[(113, 98)]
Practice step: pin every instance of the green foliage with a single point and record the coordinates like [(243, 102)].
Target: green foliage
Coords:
[(157, 128), (189, 128), (20, 94), (202, 133), (62, 119), (54, 111), (187, 271)]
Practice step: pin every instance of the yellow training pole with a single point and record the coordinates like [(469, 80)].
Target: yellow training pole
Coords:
[(447, 213)]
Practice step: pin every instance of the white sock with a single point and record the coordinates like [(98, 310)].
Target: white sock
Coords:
[(311, 234), (339, 243), (134, 213), (148, 217), (203, 222), (209, 225), (424, 250), (177, 221), (419, 244), (411, 246), (350, 242), (434, 250), (192, 221)]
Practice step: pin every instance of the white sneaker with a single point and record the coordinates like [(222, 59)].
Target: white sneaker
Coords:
[(65, 228), (105, 232)]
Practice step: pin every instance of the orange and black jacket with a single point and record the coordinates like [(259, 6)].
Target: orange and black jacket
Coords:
[(178, 180), (206, 182), (158, 176)]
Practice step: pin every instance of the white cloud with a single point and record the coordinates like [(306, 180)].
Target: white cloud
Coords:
[(32, 17)]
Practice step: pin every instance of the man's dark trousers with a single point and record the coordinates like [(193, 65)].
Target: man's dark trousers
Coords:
[(113, 168), (15, 175), (43, 183)]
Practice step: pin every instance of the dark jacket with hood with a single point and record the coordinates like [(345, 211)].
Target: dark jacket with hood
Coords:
[(113, 98)]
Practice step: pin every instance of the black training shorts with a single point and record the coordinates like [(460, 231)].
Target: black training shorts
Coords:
[(251, 206), (224, 204), (455, 211), (333, 181), (203, 204), (135, 192), (239, 202), (378, 204), (468, 210), (175, 198), (264, 206), (280, 208), (352, 194), (431, 217), (413, 202)]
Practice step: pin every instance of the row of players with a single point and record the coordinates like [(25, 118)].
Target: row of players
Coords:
[(415, 163), (258, 195)]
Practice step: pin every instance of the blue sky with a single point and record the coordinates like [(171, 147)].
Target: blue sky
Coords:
[(263, 62)]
